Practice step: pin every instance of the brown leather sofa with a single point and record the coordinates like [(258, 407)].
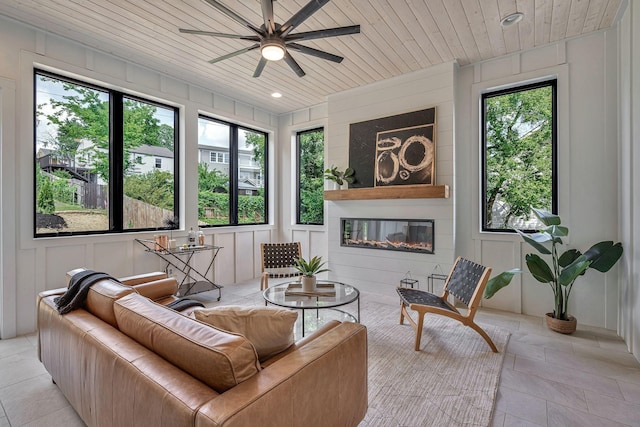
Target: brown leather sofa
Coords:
[(126, 360)]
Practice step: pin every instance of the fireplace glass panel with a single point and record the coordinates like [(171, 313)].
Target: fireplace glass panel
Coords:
[(409, 235)]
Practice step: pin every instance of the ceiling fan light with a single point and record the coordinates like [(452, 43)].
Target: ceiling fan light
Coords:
[(272, 50)]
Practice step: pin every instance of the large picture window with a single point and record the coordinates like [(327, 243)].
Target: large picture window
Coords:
[(231, 184), (310, 197), (519, 137), (104, 161)]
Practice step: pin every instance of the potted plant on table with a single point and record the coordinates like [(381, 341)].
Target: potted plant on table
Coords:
[(565, 267), (339, 177), (309, 269)]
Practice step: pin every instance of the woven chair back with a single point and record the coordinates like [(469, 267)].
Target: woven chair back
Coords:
[(280, 255), (464, 280)]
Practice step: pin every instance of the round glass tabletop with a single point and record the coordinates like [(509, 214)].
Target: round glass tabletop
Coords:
[(327, 294)]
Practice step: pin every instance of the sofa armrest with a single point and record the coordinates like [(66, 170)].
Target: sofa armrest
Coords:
[(158, 290), (142, 278), (323, 383)]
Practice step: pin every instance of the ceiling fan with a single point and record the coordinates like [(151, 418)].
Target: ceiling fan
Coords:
[(275, 40)]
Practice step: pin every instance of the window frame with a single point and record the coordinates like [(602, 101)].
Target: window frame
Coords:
[(518, 87), (234, 170), (298, 187), (116, 157)]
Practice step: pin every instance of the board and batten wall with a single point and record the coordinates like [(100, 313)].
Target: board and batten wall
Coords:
[(30, 265), (381, 270), (629, 90), (586, 71)]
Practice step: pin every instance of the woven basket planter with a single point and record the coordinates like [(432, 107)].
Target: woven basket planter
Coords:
[(561, 326)]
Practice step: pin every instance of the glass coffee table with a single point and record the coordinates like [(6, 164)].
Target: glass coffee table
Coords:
[(324, 300)]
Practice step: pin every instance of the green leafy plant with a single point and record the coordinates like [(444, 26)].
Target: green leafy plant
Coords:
[(312, 267), (565, 267), (333, 174)]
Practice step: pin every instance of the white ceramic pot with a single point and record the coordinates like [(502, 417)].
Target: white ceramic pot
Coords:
[(308, 283)]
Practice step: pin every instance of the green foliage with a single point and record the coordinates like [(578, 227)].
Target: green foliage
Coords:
[(311, 267), (63, 191), (45, 203), (333, 174), (82, 114), (565, 268), (311, 196), (250, 209), (258, 142), (518, 154), (154, 188)]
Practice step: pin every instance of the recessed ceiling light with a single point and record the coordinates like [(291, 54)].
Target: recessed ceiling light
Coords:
[(276, 95), (512, 19)]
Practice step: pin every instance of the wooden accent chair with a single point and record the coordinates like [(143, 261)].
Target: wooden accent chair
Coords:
[(466, 282), (278, 261)]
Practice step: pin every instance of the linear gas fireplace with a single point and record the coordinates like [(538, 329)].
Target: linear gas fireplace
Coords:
[(409, 235)]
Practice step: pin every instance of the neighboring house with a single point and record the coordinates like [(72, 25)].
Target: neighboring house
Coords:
[(217, 157), (147, 158), (51, 161)]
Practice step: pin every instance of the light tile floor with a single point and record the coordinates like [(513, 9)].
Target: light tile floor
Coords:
[(585, 379)]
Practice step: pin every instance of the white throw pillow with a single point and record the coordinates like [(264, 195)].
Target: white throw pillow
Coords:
[(269, 329)]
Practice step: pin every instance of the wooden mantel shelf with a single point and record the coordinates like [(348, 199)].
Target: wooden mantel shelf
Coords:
[(395, 192)]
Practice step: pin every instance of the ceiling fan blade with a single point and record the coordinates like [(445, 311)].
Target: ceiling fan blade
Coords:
[(212, 34), (231, 14), (267, 14), (315, 52), (260, 67), (236, 53), (329, 32), (294, 65), (309, 9)]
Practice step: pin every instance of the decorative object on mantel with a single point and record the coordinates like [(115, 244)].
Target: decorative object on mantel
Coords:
[(338, 177), (394, 151), (565, 268), (309, 269)]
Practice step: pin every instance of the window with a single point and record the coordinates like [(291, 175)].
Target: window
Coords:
[(96, 160), (310, 198), (519, 156), (232, 191)]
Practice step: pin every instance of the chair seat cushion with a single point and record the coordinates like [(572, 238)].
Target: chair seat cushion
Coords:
[(416, 296), (282, 272), (269, 329)]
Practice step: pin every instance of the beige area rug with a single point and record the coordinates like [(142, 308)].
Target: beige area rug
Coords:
[(452, 381)]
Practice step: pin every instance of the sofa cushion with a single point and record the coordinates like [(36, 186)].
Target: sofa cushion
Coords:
[(269, 329), (218, 358), (101, 297)]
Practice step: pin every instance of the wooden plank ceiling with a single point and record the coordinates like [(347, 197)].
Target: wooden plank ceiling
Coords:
[(397, 37)]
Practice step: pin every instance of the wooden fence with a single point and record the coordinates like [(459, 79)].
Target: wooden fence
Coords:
[(138, 214)]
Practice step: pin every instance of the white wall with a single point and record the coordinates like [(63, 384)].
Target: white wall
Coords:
[(312, 238), (30, 265), (587, 162), (381, 270), (629, 121)]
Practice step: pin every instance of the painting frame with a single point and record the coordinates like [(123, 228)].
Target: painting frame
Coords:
[(363, 141)]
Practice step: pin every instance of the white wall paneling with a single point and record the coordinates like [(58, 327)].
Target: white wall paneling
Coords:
[(30, 265), (629, 175), (588, 201), (381, 270), (8, 268)]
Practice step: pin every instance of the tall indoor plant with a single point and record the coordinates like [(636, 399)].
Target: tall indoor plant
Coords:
[(565, 267)]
